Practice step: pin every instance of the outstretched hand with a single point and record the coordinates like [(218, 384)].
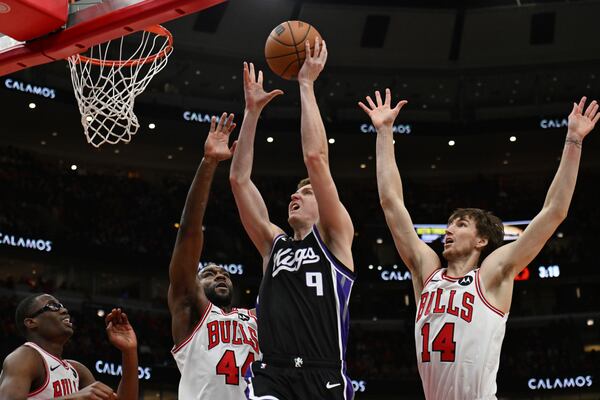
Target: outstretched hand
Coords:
[(382, 114), (120, 333), (314, 61), (581, 123), (216, 146), (254, 93)]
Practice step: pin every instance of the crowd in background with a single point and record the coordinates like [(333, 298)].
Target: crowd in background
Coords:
[(128, 214)]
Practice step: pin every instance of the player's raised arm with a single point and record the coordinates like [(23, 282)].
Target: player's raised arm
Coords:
[(420, 259), (250, 204), (121, 335), (183, 289), (334, 221), (499, 268)]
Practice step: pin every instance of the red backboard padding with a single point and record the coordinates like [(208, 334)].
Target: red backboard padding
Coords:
[(28, 19), (108, 20)]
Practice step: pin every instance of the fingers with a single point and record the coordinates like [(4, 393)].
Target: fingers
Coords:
[(574, 110), (596, 118), (228, 123), (370, 101), (593, 105), (113, 316), (399, 106), (260, 78), (222, 120), (317, 47), (388, 97), (324, 52), (213, 123), (581, 105), (124, 319), (231, 126), (233, 147), (365, 108), (252, 73), (246, 73), (378, 98), (307, 49), (274, 93)]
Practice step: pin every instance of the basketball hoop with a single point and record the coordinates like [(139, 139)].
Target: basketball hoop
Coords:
[(106, 89)]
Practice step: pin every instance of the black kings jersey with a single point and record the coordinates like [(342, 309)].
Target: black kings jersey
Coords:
[(303, 301)]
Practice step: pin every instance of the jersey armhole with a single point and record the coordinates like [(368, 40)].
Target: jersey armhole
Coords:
[(46, 371), (430, 277), (178, 347), (275, 239), (337, 264), (479, 288)]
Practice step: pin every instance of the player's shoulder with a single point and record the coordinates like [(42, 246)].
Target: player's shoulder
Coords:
[(22, 353), (23, 357)]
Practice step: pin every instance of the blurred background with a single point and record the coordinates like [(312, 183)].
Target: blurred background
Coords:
[(489, 86)]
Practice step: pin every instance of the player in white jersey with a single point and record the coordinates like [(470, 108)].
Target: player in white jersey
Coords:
[(36, 369), (214, 342), (462, 309)]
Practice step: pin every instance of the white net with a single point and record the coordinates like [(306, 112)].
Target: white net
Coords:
[(106, 89)]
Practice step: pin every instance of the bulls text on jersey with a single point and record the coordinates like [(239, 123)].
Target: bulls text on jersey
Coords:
[(63, 387), (225, 332), (438, 303)]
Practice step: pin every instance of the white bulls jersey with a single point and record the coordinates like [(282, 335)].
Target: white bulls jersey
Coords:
[(214, 358), (61, 377), (458, 336)]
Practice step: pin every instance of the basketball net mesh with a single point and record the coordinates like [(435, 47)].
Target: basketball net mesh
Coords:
[(106, 90)]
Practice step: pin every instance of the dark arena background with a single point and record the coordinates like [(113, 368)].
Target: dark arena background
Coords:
[(489, 85)]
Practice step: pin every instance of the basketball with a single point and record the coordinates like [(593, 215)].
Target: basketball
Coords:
[(285, 47)]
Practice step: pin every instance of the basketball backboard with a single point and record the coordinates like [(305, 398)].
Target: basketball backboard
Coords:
[(91, 22)]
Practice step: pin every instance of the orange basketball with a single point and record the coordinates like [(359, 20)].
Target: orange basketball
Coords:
[(285, 47)]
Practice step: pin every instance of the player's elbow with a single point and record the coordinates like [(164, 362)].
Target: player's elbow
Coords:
[(235, 179), (557, 214), (389, 201), (385, 200), (315, 159)]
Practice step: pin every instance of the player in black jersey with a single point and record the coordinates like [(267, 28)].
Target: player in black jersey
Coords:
[(303, 316)]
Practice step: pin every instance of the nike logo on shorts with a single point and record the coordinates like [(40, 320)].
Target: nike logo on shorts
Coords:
[(332, 385)]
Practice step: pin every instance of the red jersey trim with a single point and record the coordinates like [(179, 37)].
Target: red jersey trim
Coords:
[(178, 347), (234, 310), (47, 381), (64, 363), (450, 278), (430, 277), (485, 301)]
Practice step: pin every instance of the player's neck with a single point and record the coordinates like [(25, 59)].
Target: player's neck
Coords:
[(301, 231), (52, 347), (226, 309), (463, 265)]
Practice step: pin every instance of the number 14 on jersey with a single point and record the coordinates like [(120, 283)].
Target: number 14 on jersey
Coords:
[(443, 343)]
